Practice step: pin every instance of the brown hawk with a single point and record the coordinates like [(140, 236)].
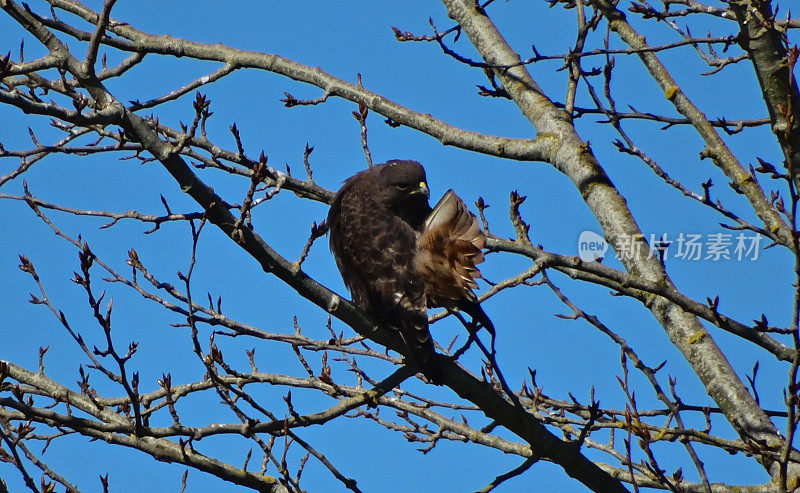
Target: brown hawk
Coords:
[(397, 256)]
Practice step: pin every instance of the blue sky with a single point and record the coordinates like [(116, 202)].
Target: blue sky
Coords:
[(346, 38)]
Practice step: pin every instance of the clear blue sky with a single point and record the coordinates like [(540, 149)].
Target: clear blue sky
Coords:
[(346, 38)]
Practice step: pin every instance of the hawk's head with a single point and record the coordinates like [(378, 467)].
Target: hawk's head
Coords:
[(405, 190)]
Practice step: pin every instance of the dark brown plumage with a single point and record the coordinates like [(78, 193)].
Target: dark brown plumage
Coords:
[(397, 256)]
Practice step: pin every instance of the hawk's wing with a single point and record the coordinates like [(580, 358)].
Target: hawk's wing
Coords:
[(449, 249)]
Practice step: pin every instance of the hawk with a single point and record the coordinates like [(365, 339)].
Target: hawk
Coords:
[(397, 256)]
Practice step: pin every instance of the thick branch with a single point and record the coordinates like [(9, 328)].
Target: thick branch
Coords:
[(762, 40), (519, 149), (715, 146), (573, 157)]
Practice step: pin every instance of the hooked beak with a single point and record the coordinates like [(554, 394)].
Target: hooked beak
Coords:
[(423, 189)]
